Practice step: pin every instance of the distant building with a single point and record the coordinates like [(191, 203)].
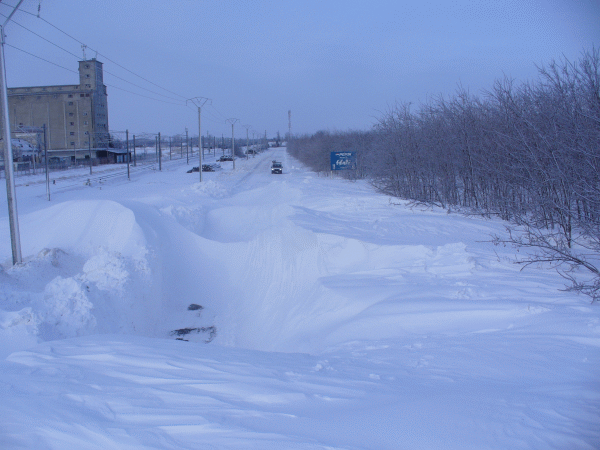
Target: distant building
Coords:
[(76, 116)]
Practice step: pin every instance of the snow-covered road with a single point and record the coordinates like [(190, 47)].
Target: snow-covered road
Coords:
[(343, 319)]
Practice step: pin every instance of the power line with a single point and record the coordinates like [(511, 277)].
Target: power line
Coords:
[(71, 70), (77, 57), (39, 57), (104, 56)]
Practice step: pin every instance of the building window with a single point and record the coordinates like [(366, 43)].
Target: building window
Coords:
[(87, 75), (88, 85), (70, 95), (82, 95), (86, 133), (87, 95), (85, 114), (87, 66), (71, 114), (73, 143), (72, 133), (85, 122), (70, 103)]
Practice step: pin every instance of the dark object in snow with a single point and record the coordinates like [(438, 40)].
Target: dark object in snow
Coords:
[(212, 330), (194, 307)]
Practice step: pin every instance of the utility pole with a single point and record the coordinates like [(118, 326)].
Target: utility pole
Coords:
[(232, 122), (47, 168), (247, 127), (11, 194), (128, 158), (134, 155), (199, 102), (187, 150), (159, 154), (289, 125)]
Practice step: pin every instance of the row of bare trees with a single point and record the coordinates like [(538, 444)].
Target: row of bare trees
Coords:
[(528, 153)]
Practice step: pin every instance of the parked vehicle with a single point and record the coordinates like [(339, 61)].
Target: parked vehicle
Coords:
[(225, 158), (206, 168)]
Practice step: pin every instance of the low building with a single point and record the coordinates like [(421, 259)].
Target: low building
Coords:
[(75, 116)]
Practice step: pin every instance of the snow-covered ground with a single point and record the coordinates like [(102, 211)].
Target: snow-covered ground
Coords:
[(259, 311)]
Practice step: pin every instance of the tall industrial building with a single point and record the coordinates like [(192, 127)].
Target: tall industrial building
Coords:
[(76, 116)]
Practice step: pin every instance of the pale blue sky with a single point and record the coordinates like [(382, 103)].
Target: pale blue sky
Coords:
[(335, 64)]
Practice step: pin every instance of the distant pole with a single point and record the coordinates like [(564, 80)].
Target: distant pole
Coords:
[(247, 127), (187, 150), (128, 158), (11, 194), (47, 168), (170, 156), (90, 151), (199, 102), (134, 155), (232, 121), (159, 154)]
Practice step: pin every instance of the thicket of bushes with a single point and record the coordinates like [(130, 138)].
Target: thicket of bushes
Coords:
[(529, 153)]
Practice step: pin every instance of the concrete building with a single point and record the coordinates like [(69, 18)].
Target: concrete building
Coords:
[(76, 116)]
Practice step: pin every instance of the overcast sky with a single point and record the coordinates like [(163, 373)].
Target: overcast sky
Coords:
[(337, 65)]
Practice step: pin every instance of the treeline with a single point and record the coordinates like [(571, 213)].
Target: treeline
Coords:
[(528, 153)]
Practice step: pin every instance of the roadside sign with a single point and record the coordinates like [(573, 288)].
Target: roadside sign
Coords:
[(343, 160)]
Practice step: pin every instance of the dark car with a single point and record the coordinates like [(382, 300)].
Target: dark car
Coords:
[(226, 158), (205, 168), (276, 167)]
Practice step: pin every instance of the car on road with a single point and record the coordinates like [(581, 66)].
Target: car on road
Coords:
[(225, 158), (276, 167), (206, 168)]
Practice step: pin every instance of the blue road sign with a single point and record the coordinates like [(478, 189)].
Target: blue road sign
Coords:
[(343, 160)]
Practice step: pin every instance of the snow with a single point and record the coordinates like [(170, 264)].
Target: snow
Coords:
[(344, 320)]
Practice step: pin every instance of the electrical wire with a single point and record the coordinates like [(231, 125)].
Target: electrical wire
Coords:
[(108, 85), (213, 116), (104, 56), (39, 57), (105, 71)]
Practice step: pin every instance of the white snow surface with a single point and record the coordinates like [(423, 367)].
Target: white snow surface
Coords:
[(344, 320)]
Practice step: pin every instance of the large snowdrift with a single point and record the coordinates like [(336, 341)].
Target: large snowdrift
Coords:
[(400, 327)]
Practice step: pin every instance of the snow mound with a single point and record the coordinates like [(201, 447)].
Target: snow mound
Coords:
[(84, 226)]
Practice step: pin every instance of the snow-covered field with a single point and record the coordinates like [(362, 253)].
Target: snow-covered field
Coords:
[(313, 313)]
